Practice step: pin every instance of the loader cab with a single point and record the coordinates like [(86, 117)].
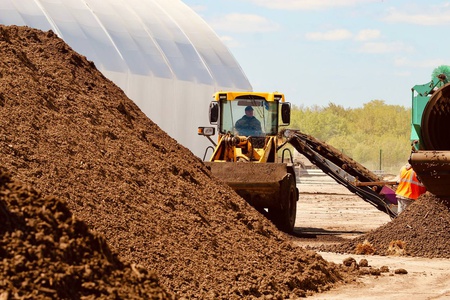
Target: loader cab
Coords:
[(269, 109)]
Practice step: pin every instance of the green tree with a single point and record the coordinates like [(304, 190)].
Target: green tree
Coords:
[(360, 133)]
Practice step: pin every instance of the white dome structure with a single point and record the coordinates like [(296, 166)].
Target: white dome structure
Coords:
[(159, 52)]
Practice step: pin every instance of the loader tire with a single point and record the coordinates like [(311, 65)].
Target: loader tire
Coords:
[(284, 215)]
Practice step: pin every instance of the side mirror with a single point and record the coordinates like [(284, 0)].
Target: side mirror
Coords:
[(213, 113), (286, 113)]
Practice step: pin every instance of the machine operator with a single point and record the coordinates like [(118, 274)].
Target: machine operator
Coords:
[(248, 125)]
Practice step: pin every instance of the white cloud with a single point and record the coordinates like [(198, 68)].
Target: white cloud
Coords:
[(403, 73), (229, 41), (344, 34), (401, 62), (431, 16), (244, 23), (368, 34), (198, 8), (332, 35), (307, 4), (427, 63), (379, 47)]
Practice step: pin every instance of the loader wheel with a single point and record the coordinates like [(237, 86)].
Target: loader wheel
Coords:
[(285, 214)]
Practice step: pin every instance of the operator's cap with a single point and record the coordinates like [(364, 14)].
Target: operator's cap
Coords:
[(248, 108)]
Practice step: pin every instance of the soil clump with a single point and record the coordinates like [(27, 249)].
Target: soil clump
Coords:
[(72, 134)]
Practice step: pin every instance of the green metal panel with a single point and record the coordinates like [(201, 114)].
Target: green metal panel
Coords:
[(418, 106)]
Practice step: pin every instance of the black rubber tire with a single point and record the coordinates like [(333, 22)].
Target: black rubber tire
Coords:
[(284, 215)]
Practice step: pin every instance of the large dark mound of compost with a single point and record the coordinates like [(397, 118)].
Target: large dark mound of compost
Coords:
[(71, 133)]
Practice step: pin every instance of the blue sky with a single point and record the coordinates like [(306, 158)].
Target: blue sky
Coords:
[(346, 52)]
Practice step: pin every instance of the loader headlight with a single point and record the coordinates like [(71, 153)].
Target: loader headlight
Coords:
[(206, 131)]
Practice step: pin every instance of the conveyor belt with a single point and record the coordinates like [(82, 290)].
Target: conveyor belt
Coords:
[(344, 170)]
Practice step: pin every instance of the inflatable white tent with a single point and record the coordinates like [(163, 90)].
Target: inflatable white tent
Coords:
[(160, 52)]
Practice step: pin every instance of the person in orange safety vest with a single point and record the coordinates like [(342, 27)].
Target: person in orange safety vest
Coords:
[(409, 187)]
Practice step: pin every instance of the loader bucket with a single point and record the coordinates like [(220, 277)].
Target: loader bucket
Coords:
[(432, 161), (269, 187), (259, 184)]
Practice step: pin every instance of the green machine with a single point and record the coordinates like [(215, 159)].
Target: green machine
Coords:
[(420, 97), (430, 132)]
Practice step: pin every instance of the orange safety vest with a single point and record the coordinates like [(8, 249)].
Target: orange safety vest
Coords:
[(409, 186)]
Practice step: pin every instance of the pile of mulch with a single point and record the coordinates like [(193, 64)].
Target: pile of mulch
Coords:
[(70, 133), (422, 230), (47, 253)]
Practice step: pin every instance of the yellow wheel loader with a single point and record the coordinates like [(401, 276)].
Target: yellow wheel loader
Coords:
[(252, 156), (249, 155)]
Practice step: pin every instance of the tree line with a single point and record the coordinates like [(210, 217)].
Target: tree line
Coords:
[(375, 135)]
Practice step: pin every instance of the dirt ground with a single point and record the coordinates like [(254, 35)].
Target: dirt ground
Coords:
[(327, 213)]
